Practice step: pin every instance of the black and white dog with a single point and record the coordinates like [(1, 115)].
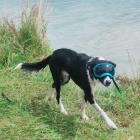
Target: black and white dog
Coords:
[(82, 69)]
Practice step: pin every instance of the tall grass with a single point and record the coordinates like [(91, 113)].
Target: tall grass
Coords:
[(25, 41)]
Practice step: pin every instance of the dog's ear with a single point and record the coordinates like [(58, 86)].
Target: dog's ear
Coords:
[(112, 63), (92, 63)]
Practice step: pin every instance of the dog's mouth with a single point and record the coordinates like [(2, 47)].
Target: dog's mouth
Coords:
[(106, 81)]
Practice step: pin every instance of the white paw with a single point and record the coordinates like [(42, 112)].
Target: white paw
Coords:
[(46, 99), (19, 66), (62, 109), (49, 97), (84, 117), (64, 112), (112, 125)]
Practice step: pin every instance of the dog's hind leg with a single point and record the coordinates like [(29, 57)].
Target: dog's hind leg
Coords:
[(59, 101), (50, 95), (82, 110), (62, 109), (57, 85)]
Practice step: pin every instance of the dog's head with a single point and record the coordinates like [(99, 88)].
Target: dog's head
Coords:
[(102, 69)]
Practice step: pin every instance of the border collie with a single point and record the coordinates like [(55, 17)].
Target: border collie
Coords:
[(82, 69)]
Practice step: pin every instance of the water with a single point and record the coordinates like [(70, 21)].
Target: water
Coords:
[(97, 27)]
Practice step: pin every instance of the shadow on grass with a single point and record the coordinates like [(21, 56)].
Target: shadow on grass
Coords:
[(65, 126)]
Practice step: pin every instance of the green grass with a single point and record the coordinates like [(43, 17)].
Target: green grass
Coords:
[(28, 116), (24, 115)]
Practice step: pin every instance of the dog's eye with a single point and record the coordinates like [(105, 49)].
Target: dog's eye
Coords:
[(99, 70)]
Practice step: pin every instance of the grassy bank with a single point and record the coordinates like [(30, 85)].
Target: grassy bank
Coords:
[(28, 116), (25, 115)]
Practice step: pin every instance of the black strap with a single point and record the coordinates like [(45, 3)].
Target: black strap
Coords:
[(116, 85)]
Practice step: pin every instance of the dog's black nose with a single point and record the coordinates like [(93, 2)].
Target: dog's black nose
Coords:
[(108, 82)]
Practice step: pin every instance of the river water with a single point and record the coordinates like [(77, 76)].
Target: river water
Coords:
[(108, 28)]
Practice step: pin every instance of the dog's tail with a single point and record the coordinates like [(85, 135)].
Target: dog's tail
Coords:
[(34, 66)]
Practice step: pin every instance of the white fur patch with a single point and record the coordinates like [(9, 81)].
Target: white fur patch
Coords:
[(100, 58), (62, 109), (91, 82), (91, 59), (107, 79), (19, 66)]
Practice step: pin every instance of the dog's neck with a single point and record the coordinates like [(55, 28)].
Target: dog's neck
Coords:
[(89, 68), (90, 73)]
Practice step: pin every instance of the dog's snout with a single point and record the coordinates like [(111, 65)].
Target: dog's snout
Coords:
[(107, 81)]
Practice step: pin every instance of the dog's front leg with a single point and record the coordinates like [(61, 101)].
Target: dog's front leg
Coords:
[(89, 97), (82, 110), (109, 122)]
